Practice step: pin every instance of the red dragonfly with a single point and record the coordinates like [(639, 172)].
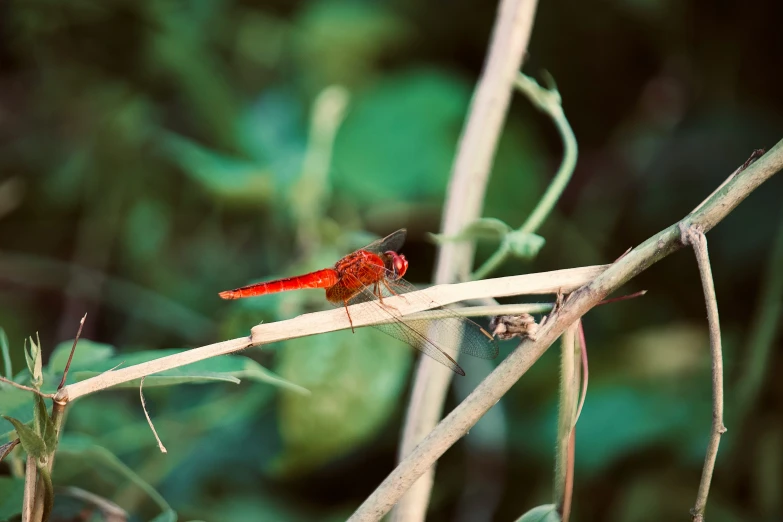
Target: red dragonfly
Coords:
[(369, 275)]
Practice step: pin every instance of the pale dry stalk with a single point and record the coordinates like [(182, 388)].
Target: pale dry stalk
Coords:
[(464, 202)]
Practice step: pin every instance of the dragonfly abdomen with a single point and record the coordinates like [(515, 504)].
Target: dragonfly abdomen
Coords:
[(319, 279)]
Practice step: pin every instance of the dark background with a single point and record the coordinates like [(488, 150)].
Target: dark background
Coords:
[(152, 153)]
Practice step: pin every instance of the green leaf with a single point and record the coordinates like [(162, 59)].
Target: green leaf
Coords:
[(46, 480), (340, 42), (147, 228), (32, 443), (6, 354), (167, 516), (272, 132), (545, 513), (524, 245), (29, 357), (39, 415), (11, 497), (356, 379), (86, 355), (482, 228), (618, 420), (231, 178), (18, 404), (44, 425), (227, 368), (157, 380), (254, 371), (97, 456), (400, 135)]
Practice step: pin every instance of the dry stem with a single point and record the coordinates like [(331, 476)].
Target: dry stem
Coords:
[(569, 396), (491, 390), (333, 320), (464, 201), (694, 236)]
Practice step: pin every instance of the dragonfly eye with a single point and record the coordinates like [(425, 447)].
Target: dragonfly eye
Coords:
[(399, 265)]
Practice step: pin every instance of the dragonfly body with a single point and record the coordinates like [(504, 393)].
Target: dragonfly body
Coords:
[(348, 277), (375, 272)]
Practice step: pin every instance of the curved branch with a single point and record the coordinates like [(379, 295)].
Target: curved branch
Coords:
[(455, 425)]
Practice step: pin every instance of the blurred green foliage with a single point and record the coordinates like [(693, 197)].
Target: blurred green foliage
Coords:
[(154, 153)]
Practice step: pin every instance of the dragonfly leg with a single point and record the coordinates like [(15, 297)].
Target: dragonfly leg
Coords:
[(389, 288), (349, 316), (391, 291), (377, 291)]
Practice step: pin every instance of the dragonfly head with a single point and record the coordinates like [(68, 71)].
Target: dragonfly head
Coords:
[(396, 263)]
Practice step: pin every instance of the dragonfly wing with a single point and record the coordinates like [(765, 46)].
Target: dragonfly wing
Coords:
[(450, 328), (393, 241), (404, 332), (441, 339)]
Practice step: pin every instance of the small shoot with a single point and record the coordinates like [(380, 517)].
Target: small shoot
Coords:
[(34, 361)]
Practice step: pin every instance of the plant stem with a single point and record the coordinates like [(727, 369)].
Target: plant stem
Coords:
[(695, 237), (30, 479), (569, 396), (567, 165), (549, 102)]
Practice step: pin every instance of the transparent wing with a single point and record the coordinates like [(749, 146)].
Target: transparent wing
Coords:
[(442, 338), (393, 241)]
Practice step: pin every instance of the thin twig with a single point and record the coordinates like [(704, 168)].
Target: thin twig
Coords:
[(463, 204), (634, 295), (26, 388), (149, 420), (336, 319), (585, 370), (73, 350), (456, 424), (695, 237)]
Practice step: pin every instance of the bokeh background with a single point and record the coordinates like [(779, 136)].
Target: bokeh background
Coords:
[(153, 153)]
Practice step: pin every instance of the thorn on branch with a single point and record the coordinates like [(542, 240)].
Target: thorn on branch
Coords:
[(756, 154), (73, 350)]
